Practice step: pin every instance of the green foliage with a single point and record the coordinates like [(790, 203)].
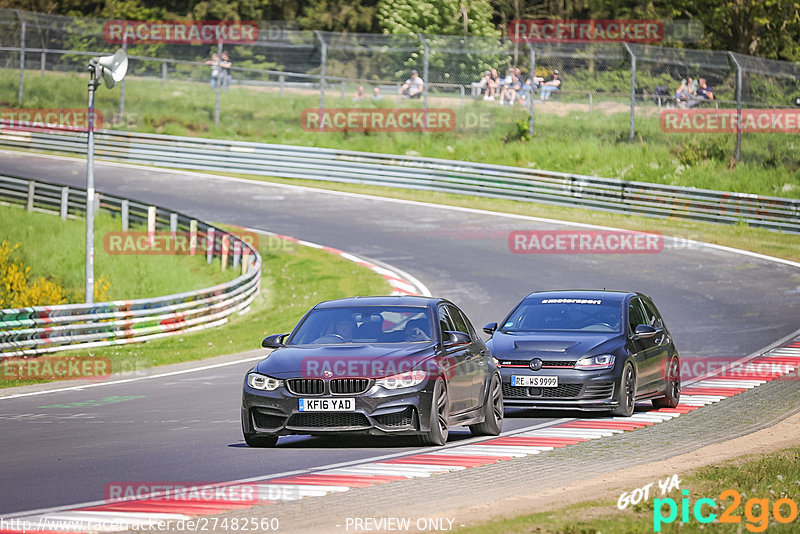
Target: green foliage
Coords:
[(442, 17)]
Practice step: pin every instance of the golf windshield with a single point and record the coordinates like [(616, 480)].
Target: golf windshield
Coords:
[(364, 324), (565, 314)]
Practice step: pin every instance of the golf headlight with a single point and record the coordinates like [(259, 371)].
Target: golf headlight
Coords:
[(264, 383), (402, 380), (603, 361)]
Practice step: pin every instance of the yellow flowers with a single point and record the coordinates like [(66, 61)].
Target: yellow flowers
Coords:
[(17, 290)]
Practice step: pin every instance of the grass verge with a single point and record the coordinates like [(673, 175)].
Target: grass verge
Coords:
[(567, 138), (293, 279), (766, 479), (54, 249)]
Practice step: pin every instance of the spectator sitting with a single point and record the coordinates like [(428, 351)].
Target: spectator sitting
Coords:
[(359, 96), (704, 92), (681, 93), (551, 85), (376, 93), (494, 83), (508, 92), (413, 86), (483, 85)]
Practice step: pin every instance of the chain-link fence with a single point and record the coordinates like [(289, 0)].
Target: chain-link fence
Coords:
[(482, 84)]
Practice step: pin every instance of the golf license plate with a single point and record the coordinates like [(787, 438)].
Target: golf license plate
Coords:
[(328, 405), (535, 381)]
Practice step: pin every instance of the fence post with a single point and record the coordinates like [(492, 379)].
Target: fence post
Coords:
[(281, 80), (237, 252), (151, 225), (192, 237), (738, 106), (425, 81), (163, 74), (591, 102), (210, 243), (31, 194), (43, 62), (21, 58), (173, 227), (322, 65), (633, 90), (219, 82), (225, 249), (245, 259), (125, 209), (531, 96), (64, 202)]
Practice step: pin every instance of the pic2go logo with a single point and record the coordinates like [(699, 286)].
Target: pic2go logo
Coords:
[(756, 511)]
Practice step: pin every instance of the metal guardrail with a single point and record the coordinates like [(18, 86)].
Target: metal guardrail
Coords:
[(412, 172), (45, 329)]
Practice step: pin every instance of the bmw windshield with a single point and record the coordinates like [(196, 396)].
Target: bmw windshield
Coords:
[(364, 324), (565, 314)]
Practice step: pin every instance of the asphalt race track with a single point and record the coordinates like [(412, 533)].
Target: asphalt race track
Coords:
[(57, 451)]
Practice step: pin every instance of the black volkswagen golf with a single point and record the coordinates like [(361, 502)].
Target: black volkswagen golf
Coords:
[(374, 365), (586, 350)]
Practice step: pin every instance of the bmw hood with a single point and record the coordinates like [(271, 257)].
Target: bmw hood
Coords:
[(555, 346), (340, 361)]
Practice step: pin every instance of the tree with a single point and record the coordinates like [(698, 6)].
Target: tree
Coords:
[(443, 17)]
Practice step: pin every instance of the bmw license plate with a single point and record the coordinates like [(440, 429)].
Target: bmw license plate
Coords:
[(535, 381), (328, 405)]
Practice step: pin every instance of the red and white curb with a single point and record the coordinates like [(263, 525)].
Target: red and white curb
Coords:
[(158, 510), (402, 282)]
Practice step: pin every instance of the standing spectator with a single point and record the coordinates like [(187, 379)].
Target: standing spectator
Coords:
[(215, 69), (551, 85), (225, 70), (413, 86)]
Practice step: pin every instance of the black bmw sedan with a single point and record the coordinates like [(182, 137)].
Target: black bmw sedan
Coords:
[(374, 365), (586, 350)]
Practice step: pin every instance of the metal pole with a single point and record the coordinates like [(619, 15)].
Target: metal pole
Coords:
[(531, 98), (90, 191), (738, 106), (633, 91), (163, 74), (425, 80), (21, 58), (219, 82), (322, 65), (122, 87)]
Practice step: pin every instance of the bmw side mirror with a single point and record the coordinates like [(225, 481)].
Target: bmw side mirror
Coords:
[(274, 341), (644, 331), (452, 339), (490, 328)]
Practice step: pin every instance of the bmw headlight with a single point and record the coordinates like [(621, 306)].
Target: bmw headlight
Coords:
[(264, 383), (591, 363), (402, 380)]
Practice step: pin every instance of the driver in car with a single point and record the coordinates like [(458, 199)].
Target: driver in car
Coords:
[(344, 328)]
